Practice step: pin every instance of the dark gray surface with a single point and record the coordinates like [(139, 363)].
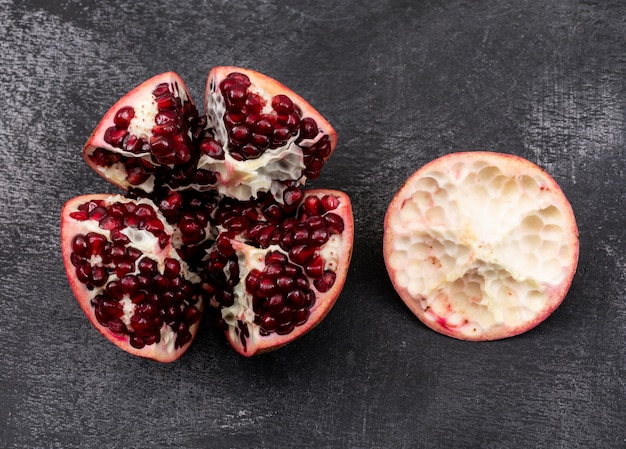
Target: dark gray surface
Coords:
[(403, 82)]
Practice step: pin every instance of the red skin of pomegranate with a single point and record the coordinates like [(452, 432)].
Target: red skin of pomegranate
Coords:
[(324, 301)]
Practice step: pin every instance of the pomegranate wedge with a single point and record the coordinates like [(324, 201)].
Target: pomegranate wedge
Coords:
[(127, 277), (481, 246), (275, 280), (264, 134)]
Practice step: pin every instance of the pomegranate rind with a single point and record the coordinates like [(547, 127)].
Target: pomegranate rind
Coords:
[(481, 245), (136, 96), (69, 228), (235, 177), (259, 344)]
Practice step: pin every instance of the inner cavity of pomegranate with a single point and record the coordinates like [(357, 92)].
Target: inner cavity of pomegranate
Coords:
[(138, 289)]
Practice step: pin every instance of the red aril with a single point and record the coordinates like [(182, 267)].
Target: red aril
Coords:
[(480, 245), (207, 195)]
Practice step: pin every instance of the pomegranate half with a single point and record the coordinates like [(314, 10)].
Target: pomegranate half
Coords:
[(221, 204), (481, 245)]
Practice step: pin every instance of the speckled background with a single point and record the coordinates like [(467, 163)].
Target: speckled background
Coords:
[(403, 82)]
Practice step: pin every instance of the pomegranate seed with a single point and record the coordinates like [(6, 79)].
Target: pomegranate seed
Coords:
[(97, 213), (292, 196), (261, 141), (263, 126), (282, 104), (330, 202), (95, 243), (192, 315), (79, 245), (117, 236), (192, 231), (142, 325), (123, 117), (117, 326), (280, 135), (123, 268), (300, 316), (129, 284), (319, 236), (285, 283), (269, 323), (290, 120), (313, 205), (161, 90), (233, 118), (323, 148), (334, 223), (172, 268), (266, 286), (83, 273), (171, 204), (212, 148), (235, 96), (109, 222), (252, 280), (254, 102), (239, 78), (136, 341), (274, 268), (114, 290), (308, 128), (240, 134), (301, 254), (326, 282), (315, 268), (147, 266), (166, 101), (284, 328), (296, 298), (300, 235), (276, 303), (167, 129), (115, 136), (99, 276), (136, 175), (275, 256)]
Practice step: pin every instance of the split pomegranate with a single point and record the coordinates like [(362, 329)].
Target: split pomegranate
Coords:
[(216, 212), (481, 245)]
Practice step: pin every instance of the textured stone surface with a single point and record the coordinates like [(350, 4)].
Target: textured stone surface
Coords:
[(403, 82)]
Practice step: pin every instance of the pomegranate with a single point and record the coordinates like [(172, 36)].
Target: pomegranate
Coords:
[(215, 212), (127, 276), (481, 245), (277, 272)]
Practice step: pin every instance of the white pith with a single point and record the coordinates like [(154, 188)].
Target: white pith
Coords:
[(249, 258), (477, 247), (148, 244), (245, 179)]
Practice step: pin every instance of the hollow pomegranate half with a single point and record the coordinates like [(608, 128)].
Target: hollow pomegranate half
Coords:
[(481, 245)]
